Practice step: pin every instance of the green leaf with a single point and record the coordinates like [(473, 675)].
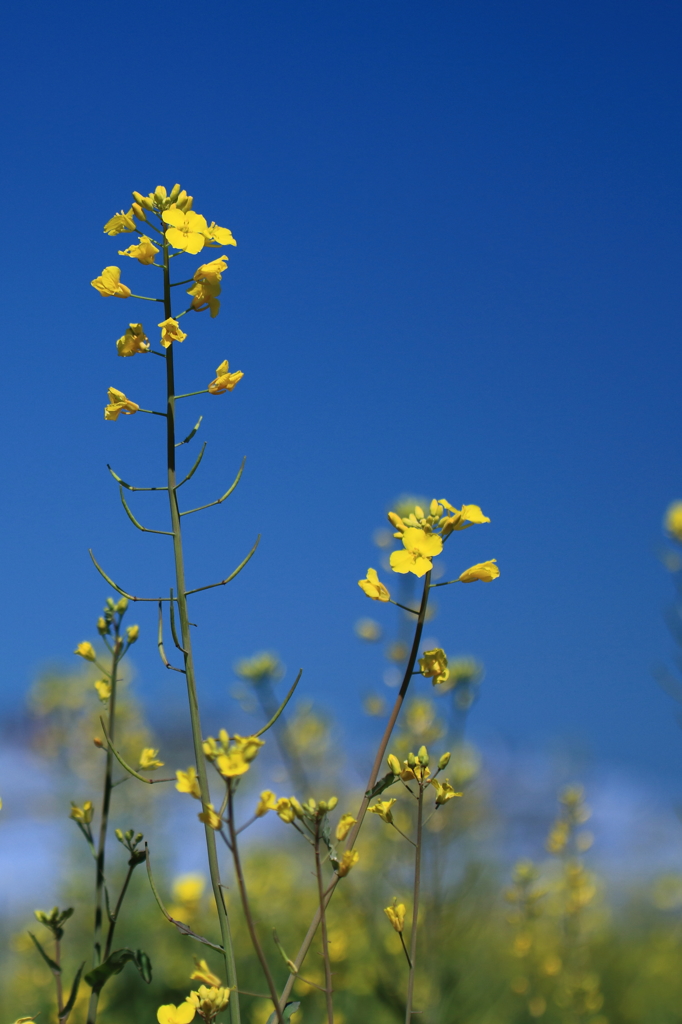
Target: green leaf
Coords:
[(72, 996), (381, 785), (286, 1013), (55, 968), (114, 964)]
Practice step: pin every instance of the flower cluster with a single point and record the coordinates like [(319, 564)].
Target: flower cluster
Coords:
[(232, 756), (422, 535)]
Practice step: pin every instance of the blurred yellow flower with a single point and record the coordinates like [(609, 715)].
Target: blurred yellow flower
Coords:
[(348, 861), (132, 634), (120, 224), (285, 810), (170, 331), (118, 403), (346, 822), (484, 571), (186, 230), (419, 547), (218, 235), (444, 791), (188, 782), (144, 252), (171, 1014), (83, 814), (189, 888), (204, 974), (383, 809), (209, 1001), (224, 380), (368, 629), (434, 665), (673, 520), (133, 341), (396, 915), (149, 759), (109, 283), (461, 519), (103, 687), (373, 587), (267, 802), (86, 650), (211, 818)]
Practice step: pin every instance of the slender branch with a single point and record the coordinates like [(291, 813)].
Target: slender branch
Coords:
[(134, 521), (190, 394), (227, 493), (446, 583), (129, 487), (255, 942), (123, 764), (194, 467), (180, 925), (58, 977), (282, 705), (402, 939), (120, 590), (376, 767), (113, 918), (147, 298), (171, 610), (415, 905), (152, 412), (415, 611), (228, 579), (164, 659), (323, 922), (403, 834)]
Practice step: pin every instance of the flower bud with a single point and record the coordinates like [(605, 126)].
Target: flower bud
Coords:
[(298, 809), (122, 605), (396, 521), (394, 764), (160, 193), (181, 200), (175, 192), (444, 760), (411, 760), (102, 626), (423, 756), (188, 203), (98, 743), (86, 650), (132, 633), (111, 604), (119, 835), (139, 212)]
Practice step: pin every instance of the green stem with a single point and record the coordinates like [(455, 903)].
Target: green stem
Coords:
[(214, 869), (415, 905), (374, 774), (58, 978), (103, 826), (323, 924)]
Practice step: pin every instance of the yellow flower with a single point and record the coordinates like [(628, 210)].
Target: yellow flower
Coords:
[(394, 764), (209, 1001), (285, 810), (348, 861), (171, 1014), (204, 973), (109, 283), (383, 809), (144, 252), (149, 759), (103, 688), (188, 782), (218, 236), (170, 331), (211, 818), (237, 758), (484, 571), (83, 814), (267, 802), (461, 519), (224, 381), (133, 341), (396, 915), (186, 231), (673, 520), (346, 822), (86, 650), (444, 791), (132, 633), (120, 224), (373, 587), (189, 888), (118, 403), (434, 665), (207, 286), (419, 547)]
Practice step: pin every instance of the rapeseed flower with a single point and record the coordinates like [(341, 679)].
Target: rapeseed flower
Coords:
[(170, 332), (186, 230), (120, 224), (211, 818), (109, 283), (83, 814), (434, 665), (373, 587), (204, 974), (346, 822), (149, 759), (483, 571), (118, 403), (86, 650), (133, 341), (419, 547), (188, 782), (267, 802), (209, 1001), (103, 687), (348, 861), (207, 286), (218, 236), (171, 1014), (143, 252), (444, 791), (461, 519), (673, 520), (224, 380), (396, 915), (383, 809)]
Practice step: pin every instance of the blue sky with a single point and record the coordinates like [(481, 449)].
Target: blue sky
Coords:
[(457, 275)]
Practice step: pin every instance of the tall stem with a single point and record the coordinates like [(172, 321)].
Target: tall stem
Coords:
[(323, 922), (352, 836), (214, 870), (415, 904), (58, 978), (255, 942), (103, 825)]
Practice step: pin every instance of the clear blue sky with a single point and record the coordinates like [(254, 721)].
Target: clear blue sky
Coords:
[(457, 274)]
